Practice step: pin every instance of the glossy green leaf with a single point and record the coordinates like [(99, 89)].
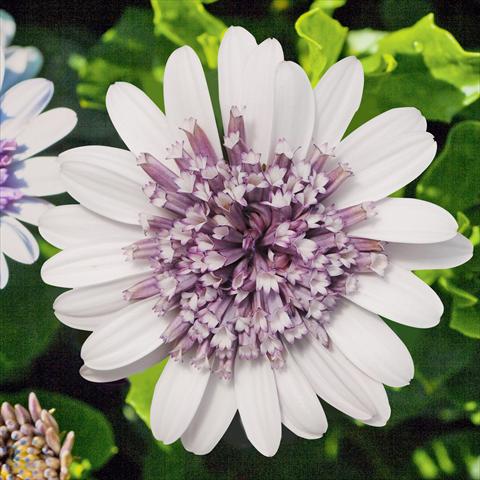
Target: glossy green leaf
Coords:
[(187, 22), (128, 52), (321, 41), (328, 6), (453, 179), (433, 73), (94, 438)]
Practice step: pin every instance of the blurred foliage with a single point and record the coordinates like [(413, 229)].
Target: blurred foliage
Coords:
[(321, 41), (434, 429)]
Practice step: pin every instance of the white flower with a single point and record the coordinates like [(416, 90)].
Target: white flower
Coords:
[(18, 63), (24, 132), (305, 332)]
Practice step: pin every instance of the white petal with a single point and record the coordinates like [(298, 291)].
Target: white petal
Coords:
[(109, 189), (367, 341), (139, 122), (300, 408), (7, 28), (399, 296), (337, 98), (257, 97), (449, 254), (176, 399), (132, 333), (97, 299), (214, 415), (101, 376), (16, 241), (3, 271), (90, 265), (332, 377), (341, 383), (16, 62), (28, 66), (294, 107), (388, 125), (29, 209), (381, 168), (186, 94), (236, 47), (69, 226), (407, 220), (258, 405), (23, 102), (38, 176), (44, 130)]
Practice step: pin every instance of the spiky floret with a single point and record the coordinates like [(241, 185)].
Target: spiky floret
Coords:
[(250, 254), (30, 445)]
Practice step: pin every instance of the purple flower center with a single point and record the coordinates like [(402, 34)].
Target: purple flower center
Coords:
[(8, 193), (252, 254)]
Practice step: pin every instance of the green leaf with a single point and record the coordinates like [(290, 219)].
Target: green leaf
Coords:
[(466, 320), (463, 298), (453, 179), (187, 22), (328, 6), (128, 52), (141, 390), (27, 323), (321, 41), (433, 73), (94, 439)]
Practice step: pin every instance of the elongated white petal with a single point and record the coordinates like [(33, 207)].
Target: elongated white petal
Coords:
[(177, 395), (379, 398), (101, 376), (132, 333), (16, 241), (16, 62), (384, 167), (399, 296), (332, 377), (44, 130), (294, 107), (428, 256), (366, 340), (38, 176), (337, 98), (69, 226), (258, 405), (300, 408), (3, 271), (90, 265), (139, 122), (29, 209), (7, 27), (23, 102), (97, 299), (258, 96), (341, 383), (106, 191), (214, 415), (236, 47), (186, 94), (407, 220)]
